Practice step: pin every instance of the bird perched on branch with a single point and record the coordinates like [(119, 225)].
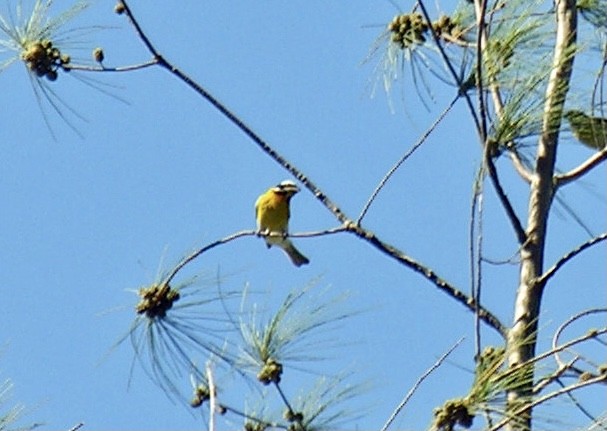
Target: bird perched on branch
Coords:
[(590, 131), (272, 214)]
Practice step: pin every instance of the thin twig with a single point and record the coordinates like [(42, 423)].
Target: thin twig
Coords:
[(417, 384), (581, 408), (564, 325), (212, 398), (481, 42), (526, 408), (311, 234), (481, 9), (481, 125), (519, 166), (555, 350), (567, 257), (285, 400), (405, 156), (476, 233), (582, 169), (450, 67), (130, 68), (519, 231), (554, 377), (262, 422), (138, 29), (197, 253), (243, 233)]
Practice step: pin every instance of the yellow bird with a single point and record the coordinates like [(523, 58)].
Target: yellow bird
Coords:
[(272, 214)]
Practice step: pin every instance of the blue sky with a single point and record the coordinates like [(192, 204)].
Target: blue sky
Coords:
[(87, 220)]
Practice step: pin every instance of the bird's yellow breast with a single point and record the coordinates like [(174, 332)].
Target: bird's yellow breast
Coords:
[(272, 212)]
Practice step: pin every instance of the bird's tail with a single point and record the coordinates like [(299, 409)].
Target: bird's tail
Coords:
[(295, 255)]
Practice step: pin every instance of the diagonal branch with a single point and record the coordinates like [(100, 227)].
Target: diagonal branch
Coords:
[(481, 10), (204, 249), (519, 166), (400, 161), (481, 125), (261, 143), (526, 408), (583, 169), (566, 258), (464, 299), (519, 231), (452, 71), (419, 381), (566, 324)]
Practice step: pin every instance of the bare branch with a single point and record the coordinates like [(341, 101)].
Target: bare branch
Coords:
[(581, 408), (138, 29), (519, 231), (583, 169), (447, 61), (481, 9), (567, 257), (545, 381), (481, 43), (464, 299), (312, 234), (417, 384), (405, 156), (476, 267), (197, 253), (520, 167), (261, 143), (243, 233), (568, 322), (130, 68), (526, 408)]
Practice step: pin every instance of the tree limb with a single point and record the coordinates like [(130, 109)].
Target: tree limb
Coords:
[(464, 299), (567, 257), (400, 161), (583, 169), (522, 337), (419, 381), (261, 143)]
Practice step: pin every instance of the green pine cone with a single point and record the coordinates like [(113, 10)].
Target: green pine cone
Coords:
[(590, 131)]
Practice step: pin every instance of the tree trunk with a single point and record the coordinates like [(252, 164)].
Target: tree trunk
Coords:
[(522, 336)]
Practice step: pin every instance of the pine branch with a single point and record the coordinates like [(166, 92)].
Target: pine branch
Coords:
[(570, 255)]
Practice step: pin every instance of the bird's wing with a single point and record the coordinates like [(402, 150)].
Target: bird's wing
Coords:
[(257, 205)]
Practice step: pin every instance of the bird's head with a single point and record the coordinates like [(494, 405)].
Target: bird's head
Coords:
[(287, 187)]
